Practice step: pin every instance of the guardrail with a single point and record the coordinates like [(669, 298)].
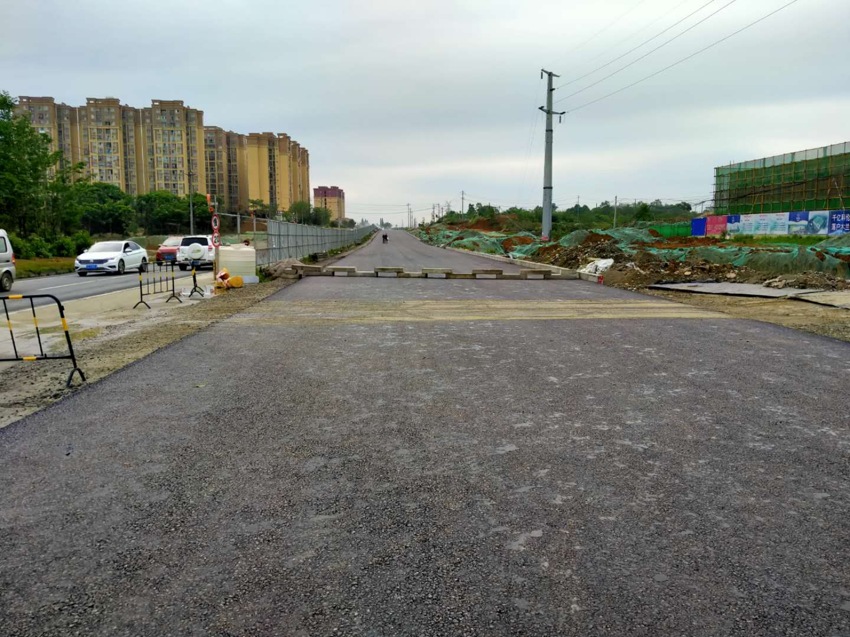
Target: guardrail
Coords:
[(42, 355), (157, 279)]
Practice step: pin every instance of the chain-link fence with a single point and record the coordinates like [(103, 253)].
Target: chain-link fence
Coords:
[(292, 240)]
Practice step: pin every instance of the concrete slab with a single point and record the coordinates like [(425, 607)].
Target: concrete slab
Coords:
[(535, 272), (734, 289), (833, 299)]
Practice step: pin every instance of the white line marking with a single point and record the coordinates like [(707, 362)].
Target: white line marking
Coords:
[(67, 285)]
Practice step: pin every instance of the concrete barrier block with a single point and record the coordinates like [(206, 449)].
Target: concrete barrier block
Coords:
[(460, 275), (535, 273), (487, 272), (363, 273), (410, 275), (388, 269), (343, 269)]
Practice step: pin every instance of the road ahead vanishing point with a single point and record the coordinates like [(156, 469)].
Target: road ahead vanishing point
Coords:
[(380, 456)]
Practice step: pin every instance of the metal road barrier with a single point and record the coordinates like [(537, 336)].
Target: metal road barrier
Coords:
[(42, 355), (196, 289), (157, 279), (295, 240)]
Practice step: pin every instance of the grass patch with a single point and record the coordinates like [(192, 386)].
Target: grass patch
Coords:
[(40, 267)]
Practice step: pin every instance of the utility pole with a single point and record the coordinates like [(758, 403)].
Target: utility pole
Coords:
[(462, 208), (547, 164), (191, 207), (615, 211), (409, 217)]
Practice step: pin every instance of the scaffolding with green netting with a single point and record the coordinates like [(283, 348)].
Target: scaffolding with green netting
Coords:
[(814, 179)]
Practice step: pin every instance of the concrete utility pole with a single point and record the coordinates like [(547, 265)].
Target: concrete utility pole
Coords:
[(191, 207), (615, 211), (409, 217), (547, 164), (462, 209)]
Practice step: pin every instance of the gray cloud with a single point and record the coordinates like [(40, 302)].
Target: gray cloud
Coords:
[(411, 102)]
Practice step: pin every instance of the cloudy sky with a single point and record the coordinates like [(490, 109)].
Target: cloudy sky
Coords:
[(413, 102)]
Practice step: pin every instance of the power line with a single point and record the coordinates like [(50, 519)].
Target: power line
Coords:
[(684, 59), (641, 30), (632, 50), (648, 53), (604, 29)]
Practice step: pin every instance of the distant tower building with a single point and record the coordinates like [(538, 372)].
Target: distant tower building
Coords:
[(332, 198), (173, 135), (226, 165)]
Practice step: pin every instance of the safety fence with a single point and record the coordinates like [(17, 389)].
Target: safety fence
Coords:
[(41, 355), (157, 279), (162, 279), (294, 240)]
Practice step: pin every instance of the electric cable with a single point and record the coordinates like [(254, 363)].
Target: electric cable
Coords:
[(632, 50), (648, 53), (684, 59)]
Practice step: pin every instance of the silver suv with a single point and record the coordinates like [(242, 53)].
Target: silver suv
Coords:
[(7, 263)]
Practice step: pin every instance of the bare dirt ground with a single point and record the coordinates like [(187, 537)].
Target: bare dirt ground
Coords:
[(112, 339)]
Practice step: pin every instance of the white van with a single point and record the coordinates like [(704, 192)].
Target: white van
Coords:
[(7, 263)]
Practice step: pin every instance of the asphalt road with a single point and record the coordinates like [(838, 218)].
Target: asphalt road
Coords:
[(441, 457), (67, 287)]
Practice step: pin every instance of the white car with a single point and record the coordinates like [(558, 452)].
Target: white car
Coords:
[(195, 251), (114, 257)]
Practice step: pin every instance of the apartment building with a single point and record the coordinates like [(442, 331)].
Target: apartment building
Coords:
[(226, 162), (167, 147), (277, 170), (174, 142), (332, 198), (52, 119)]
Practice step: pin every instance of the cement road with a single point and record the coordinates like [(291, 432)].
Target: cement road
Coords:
[(441, 457)]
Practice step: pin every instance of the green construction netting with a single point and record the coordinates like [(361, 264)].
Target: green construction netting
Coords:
[(830, 256)]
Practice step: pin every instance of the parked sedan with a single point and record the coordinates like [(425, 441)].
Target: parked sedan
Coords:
[(112, 256), (167, 251)]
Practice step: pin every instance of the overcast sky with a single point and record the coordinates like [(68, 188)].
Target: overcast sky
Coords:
[(412, 102)]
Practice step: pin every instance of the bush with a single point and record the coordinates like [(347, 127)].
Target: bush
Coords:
[(39, 247), (21, 247), (64, 247), (82, 241)]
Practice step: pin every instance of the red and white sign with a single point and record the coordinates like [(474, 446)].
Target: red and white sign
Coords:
[(216, 239), (216, 223)]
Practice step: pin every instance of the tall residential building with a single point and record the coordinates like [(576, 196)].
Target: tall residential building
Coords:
[(332, 198), (277, 172), (100, 137), (166, 147), (56, 120), (173, 135), (226, 161)]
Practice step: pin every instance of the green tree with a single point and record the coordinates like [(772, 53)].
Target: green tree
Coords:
[(25, 158), (299, 212), (162, 212), (643, 213)]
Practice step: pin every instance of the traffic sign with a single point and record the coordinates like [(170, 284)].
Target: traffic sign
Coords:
[(216, 223), (216, 239)]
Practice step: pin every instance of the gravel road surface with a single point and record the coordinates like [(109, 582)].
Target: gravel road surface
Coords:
[(441, 457)]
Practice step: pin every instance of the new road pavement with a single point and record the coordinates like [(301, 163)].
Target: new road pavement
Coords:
[(441, 457)]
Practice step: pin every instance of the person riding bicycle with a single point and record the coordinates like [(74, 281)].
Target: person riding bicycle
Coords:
[(385, 238)]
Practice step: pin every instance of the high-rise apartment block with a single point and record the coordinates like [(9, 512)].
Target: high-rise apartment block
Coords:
[(332, 198), (226, 159), (167, 147)]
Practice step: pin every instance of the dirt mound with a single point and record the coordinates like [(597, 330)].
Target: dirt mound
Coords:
[(511, 243)]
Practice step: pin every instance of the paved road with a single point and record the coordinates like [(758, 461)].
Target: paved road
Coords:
[(67, 287), (441, 457)]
